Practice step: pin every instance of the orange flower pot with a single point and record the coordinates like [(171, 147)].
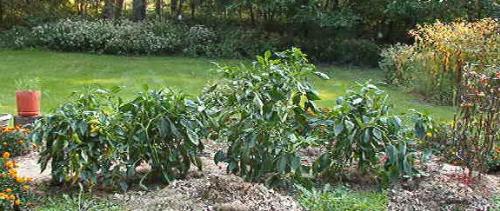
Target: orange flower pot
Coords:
[(28, 103)]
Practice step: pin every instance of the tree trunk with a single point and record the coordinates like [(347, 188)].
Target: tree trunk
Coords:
[(1, 13), (118, 8), (109, 10), (159, 9), (179, 9), (173, 8), (252, 18), (139, 10), (193, 8)]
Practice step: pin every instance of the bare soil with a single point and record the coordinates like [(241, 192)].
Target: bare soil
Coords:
[(214, 189)]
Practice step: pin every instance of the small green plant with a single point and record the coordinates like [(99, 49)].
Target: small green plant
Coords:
[(341, 198), (78, 202), (359, 130), (261, 112), (28, 84)]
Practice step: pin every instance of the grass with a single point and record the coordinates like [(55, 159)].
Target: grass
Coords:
[(76, 203), (63, 73), (342, 198)]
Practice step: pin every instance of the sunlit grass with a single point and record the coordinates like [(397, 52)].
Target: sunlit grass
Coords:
[(63, 73)]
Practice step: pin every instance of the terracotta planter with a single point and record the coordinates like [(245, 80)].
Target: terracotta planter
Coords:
[(28, 103)]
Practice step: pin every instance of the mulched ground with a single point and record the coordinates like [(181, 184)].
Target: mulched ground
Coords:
[(212, 189)]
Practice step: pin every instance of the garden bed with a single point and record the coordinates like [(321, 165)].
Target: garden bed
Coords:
[(214, 189)]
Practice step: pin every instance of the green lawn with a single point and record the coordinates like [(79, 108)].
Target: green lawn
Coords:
[(63, 73)]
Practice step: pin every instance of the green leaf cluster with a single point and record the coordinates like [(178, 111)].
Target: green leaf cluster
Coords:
[(97, 139), (262, 112)]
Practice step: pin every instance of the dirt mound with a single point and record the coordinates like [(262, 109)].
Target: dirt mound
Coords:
[(445, 189), (211, 189), (215, 192)]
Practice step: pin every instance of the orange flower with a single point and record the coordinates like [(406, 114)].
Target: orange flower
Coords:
[(8, 190), (9, 164), (12, 173), (17, 202), (6, 155)]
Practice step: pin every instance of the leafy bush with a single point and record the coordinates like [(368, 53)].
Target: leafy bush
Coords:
[(15, 141), (476, 131), (342, 198), (200, 40), (79, 139), (122, 37), (261, 111), (396, 64), (15, 193), (17, 37), (357, 51), (163, 129), (358, 130), (97, 139), (434, 64)]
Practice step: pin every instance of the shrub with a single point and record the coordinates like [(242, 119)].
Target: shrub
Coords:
[(261, 111), (15, 192), (97, 139), (200, 41), (15, 141), (396, 64), (163, 129), (357, 51), (434, 64), (476, 131), (123, 37), (17, 37), (79, 140), (358, 130)]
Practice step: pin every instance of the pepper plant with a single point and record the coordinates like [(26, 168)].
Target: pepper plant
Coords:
[(261, 111), (359, 130), (164, 129), (79, 139)]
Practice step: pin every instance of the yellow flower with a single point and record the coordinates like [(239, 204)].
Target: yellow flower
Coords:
[(12, 173), (6, 155), (20, 180), (17, 202), (26, 187), (429, 134), (9, 164)]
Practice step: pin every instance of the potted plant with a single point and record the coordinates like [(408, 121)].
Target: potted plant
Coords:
[(28, 97)]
